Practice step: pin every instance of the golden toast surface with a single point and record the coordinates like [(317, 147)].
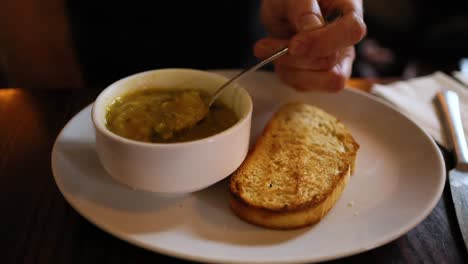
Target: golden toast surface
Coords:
[(303, 157)]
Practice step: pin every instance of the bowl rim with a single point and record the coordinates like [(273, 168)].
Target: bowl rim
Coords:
[(101, 127)]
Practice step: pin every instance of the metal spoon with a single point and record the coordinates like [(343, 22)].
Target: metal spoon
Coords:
[(329, 19)]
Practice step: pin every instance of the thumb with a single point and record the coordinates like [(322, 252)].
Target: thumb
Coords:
[(304, 15)]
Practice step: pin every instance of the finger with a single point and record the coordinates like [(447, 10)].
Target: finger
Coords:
[(267, 46), (345, 6), (303, 80), (304, 15), (274, 18), (346, 64), (344, 32), (331, 81), (306, 63), (285, 18)]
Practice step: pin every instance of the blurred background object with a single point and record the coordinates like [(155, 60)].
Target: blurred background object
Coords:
[(36, 48), (410, 38), (464, 66)]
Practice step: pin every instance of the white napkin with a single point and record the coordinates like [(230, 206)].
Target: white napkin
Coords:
[(415, 98), (462, 76)]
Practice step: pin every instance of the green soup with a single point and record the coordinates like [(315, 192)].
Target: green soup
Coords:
[(165, 116)]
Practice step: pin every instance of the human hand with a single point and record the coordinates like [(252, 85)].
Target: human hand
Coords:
[(320, 55)]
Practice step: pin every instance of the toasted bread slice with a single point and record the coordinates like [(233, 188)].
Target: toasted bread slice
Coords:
[(296, 171)]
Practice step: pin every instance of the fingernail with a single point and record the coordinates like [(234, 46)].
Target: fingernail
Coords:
[(309, 22)]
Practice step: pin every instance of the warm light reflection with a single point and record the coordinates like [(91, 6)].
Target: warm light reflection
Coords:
[(360, 84), (22, 117), (10, 94)]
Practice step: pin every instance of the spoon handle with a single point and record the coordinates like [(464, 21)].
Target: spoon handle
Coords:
[(273, 57)]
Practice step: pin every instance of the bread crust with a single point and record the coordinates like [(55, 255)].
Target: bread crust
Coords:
[(290, 212), (288, 219)]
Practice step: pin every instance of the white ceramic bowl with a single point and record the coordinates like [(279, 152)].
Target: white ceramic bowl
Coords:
[(173, 167)]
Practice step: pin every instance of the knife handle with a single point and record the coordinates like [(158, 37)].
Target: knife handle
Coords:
[(451, 114)]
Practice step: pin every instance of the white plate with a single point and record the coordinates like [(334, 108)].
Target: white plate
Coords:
[(399, 178)]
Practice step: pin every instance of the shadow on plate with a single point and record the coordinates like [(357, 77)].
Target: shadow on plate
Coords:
[(83, 177), (216, 221)]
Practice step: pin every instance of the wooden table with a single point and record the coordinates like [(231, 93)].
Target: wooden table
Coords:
[(38, 226)]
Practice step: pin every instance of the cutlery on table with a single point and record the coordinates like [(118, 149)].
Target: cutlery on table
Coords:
[(458, 176)]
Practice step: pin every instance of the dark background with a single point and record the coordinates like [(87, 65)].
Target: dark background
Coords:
[(406, 38)]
